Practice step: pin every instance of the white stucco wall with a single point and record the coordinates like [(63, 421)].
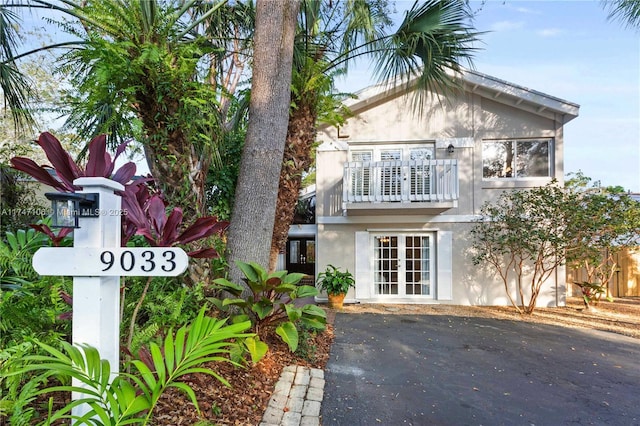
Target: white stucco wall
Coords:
[(465, 121)]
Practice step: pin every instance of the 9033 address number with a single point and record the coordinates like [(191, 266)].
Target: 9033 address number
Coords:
[(147, 263), (117, 261)]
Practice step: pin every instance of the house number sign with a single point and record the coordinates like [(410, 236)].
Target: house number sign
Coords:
[(121, 261)]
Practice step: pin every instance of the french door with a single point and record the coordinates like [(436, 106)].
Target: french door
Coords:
[(301, 255), (403, 264)]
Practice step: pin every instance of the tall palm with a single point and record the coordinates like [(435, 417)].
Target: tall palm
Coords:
[(15, 87), (430, 43), (145, 59)]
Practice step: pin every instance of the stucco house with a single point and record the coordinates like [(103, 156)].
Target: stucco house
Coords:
[(397, 192)]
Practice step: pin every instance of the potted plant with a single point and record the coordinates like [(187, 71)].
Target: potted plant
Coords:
[(336, 283)]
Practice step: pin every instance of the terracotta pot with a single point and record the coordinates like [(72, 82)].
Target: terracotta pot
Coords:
[(336, 300)]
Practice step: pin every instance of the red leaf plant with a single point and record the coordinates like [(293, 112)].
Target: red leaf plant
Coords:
[(55, 239), (146, 212), (146, 215), (99, 164)]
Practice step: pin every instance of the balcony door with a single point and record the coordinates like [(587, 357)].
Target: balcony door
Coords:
[(400, 172), (403, 265)]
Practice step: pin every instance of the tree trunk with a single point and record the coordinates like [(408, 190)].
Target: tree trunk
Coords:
[(301, 135), (181, 173), (171, 156), (249, 236)]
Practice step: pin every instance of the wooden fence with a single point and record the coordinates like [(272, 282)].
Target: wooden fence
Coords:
[(625, 281)]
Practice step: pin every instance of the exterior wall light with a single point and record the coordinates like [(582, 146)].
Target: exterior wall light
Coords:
[(68, 208), (450, 148)]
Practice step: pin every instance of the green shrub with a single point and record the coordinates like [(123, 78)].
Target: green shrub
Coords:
[(167, 304), (268, 301), (30, 306)]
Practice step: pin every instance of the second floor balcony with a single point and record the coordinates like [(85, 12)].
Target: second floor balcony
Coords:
[(390, 186)]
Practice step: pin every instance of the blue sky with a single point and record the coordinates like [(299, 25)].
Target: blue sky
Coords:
[(570, 50)]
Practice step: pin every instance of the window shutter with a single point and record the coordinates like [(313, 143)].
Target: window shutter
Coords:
[(445, 265), (364, 271)]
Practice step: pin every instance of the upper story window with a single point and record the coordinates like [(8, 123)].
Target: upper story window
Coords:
[(516, 159)]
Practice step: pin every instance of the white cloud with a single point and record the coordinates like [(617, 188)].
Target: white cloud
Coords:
[(527, 10), (549, 32), (506, 26)]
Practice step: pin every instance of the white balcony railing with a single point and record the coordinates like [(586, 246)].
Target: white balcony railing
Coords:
[(400, 181)]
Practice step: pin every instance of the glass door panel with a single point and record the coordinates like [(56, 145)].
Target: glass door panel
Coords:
[(301, 255), (418, 271), (386, 264), (403, 265)]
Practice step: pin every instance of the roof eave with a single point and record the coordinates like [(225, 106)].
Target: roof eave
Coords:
[(490, 87)]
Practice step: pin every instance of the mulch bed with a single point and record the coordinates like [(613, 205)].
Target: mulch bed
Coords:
[(251, 387), (246, 400)]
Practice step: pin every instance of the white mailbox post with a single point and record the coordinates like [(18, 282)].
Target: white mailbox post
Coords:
[(96, 263)]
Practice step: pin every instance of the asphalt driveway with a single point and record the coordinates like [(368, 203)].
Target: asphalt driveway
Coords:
[(446, 370)]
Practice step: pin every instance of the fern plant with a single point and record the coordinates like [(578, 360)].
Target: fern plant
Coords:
[(132, 398), (15, 257), (30, 306), (167, 304), (16, 397)]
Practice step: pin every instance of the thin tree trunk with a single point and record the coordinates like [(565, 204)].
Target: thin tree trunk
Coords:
[(249, 236)]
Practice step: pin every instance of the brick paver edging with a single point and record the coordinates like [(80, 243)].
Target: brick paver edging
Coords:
[(296, 398)]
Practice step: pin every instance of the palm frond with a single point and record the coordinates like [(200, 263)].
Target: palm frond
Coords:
[(626, 11), (16, 88), (426, 51)]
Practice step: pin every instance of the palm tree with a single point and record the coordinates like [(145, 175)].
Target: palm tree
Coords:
[(146, 59), (15, 87), (627, 11), (429, 44), (149, 70), (255, 202)]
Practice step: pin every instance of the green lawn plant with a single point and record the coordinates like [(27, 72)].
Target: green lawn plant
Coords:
[(269, 302), (132, 398)]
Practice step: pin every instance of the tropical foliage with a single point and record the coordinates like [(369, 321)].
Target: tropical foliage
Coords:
[(270, 302), (335, 281), (162, 73), (99, 164), (131, 399), (30, 306), (626, 11)]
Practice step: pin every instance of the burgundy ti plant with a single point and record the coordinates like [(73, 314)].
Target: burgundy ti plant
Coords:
[(99, 164), (147, 216), (146, 213)]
